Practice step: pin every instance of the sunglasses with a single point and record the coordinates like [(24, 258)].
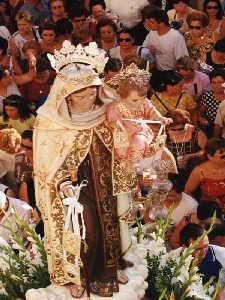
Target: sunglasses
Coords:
[(26, 147), (124, 40), (212, 7), (195, 27)]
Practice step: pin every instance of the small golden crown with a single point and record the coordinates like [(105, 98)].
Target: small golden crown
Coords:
[(131, 73), (90, 55)]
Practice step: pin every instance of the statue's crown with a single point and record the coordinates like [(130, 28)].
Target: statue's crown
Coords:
[(132, 74), (90, 55)]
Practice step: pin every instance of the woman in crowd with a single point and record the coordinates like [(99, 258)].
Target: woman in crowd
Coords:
[(169, 95), (127, 49), (106, 34), (97, 9), (210, 175), (48, 39), (37, 87), (57, 10), (211, 99), (184, 140), (26, 32), (16, 114), (214, 11), (195, 83), (178, 15), (199, 39), (7, 86)]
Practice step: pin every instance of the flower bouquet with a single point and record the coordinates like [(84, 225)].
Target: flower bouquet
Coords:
[(22, 269), (173, 275)]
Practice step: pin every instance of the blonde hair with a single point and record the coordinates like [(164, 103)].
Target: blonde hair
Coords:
[(186, 63), (198, 16), (24, 15)]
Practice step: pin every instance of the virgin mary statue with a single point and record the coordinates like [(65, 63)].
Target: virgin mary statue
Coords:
[(74, 167)]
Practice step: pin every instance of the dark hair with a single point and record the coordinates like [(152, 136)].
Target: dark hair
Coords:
[(218, 230), (3, 45), (153, 12), (206, 210), (159, 81), (52, 1), (177, 1), (27, 134), (178, 182), (220, 9), (47, 26), (105, 22), (127, 31), (63, 26), (190, 231), (42, 64), (2, 71), (217, 72), (214, 144), (198, 16), (78, 12), (220, 46), (113, 64), (97, 2), (20, 103)]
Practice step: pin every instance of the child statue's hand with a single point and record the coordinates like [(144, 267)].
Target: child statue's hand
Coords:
[(167, 121)]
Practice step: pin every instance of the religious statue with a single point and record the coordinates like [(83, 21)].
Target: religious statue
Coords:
[(130, 114), (129, 117), (77, 178)]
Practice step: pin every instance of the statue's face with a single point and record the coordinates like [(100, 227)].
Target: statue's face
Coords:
[(134, 98), (82, 100)]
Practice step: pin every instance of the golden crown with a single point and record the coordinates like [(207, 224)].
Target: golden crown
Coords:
[(131, 73), (90, 55)]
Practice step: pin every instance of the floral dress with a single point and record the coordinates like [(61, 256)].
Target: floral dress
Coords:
[(199, 52)]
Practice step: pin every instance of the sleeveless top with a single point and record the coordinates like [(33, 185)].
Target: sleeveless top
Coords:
[(213, 190), (183, 148)]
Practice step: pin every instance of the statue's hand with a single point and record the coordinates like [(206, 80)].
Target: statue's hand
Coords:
[(167, 121), (10, 140), (67, 190)]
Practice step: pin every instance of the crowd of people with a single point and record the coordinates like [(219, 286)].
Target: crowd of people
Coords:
[(180, 43)]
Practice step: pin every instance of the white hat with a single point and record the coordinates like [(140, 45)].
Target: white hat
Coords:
[(2, 200)]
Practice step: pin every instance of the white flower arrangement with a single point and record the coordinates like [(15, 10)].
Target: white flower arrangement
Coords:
[(22, 269), (173, 275)]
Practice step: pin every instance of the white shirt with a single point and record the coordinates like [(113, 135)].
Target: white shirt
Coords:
[(220, 117), (24, 211), (186, 206), (169, 47), (219, 253), (129, 11)]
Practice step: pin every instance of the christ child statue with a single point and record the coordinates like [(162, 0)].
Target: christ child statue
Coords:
[(130, 114)]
